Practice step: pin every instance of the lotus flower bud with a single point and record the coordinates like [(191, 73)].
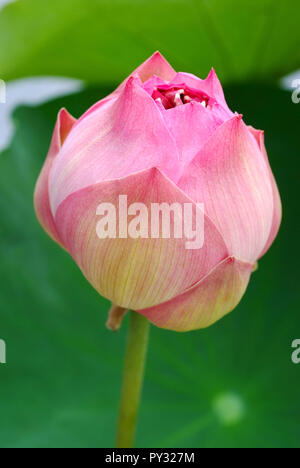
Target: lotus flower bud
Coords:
[(161, 138)]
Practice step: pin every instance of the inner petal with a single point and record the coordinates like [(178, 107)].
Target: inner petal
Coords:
[(171, 96)]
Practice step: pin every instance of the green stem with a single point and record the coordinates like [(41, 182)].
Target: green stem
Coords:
[(134, 366)]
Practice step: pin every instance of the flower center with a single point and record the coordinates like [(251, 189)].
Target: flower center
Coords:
[(178, 96)]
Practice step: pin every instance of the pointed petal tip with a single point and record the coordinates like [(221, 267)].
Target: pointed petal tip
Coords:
[(236, 122), (65, 122), (63, 126), (157, 53), (215, 87), (259, 136), (230, 260), (156, 64), (256, 131), (212, 73), (132, 80)]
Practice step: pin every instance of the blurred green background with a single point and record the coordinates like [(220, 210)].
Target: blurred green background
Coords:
[(232, 385)]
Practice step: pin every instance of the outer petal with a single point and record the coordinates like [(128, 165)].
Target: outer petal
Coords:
[(156, 65), (134, 273), (231, 178), (208, 301), (124, 136), (63, 126), (191, 126), (277, 214)]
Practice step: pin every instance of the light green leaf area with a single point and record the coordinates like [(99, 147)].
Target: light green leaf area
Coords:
[(232, 385), (103, 40)]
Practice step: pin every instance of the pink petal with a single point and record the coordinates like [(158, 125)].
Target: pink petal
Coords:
[(63, 126), (134, 273), (231, 178), (98, 104), (124, 136), (156, 65), (211, 85), (152, 83), (207, 302), (277, 214), (191, 126)]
